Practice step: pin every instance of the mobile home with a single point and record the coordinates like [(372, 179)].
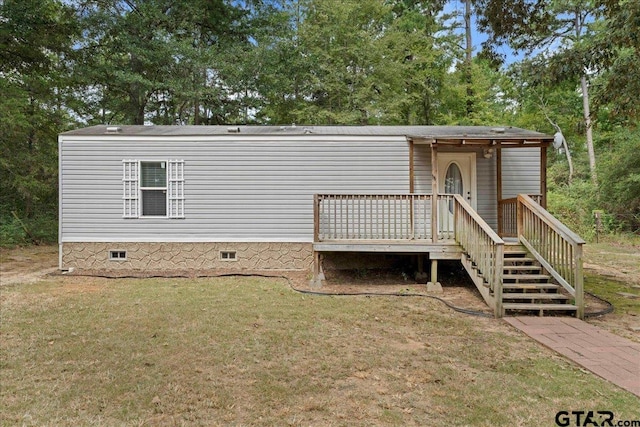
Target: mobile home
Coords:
[(175, 198)]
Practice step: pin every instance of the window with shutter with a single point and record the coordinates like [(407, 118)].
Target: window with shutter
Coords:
[(153, 189)]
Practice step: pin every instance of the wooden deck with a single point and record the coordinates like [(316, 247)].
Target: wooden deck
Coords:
[(523, 275)]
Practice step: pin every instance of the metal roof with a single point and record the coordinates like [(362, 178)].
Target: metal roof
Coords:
[(445, 133)]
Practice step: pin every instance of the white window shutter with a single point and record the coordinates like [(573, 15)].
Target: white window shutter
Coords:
[(175, 188), (130, 189)]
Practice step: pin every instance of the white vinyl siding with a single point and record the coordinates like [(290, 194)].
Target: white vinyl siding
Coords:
[(254, 189), (520, 171)]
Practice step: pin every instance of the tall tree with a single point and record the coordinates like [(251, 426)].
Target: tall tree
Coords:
[(36, 38), (468, 57), (357, 62), (558, 31), (157, 59), (616, 53)]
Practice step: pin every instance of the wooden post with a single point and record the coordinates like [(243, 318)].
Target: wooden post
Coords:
[(316, 267), (543, 176), (579, 284), (411, 169), (519, 218), (434, 192), (434, 271), (316, 217), (411, 190), (499, 191), (497, 285)]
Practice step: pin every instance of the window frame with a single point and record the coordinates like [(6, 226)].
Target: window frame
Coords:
[(165, 189), (228, 255), (114, 255)]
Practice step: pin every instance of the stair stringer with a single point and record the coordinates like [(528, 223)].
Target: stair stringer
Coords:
[(484, 290)]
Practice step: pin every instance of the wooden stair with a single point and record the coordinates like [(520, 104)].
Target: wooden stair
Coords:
[(526, 288)]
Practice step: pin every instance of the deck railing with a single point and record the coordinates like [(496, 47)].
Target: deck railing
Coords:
[(557, 248), (372, 216), (507, 215), (483, 246)]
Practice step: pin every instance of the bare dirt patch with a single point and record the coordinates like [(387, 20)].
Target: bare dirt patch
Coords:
[(620, 261), (28, 264), (458, 290)]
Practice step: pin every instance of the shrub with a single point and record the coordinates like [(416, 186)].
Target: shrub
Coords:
[(574, 205), (620, 181), (41, 229)]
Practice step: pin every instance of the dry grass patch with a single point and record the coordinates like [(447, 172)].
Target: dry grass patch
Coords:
[(613, 273), (245, 351)]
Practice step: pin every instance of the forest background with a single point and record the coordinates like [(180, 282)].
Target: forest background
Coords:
[(66, 64)]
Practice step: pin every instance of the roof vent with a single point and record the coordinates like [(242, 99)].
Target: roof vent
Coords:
[(234, 129), (286, 128), (497, 130), (113, 129)]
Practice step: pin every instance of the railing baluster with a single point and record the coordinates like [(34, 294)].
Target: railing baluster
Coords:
[(408, 205), (360, 234), (370, 235)]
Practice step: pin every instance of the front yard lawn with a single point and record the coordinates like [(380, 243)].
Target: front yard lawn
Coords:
[(251, 351)]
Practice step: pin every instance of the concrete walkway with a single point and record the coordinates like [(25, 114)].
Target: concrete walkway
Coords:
[(609, 356)]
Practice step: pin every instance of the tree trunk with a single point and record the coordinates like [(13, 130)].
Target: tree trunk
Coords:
[(468, 57), (569, 160), (139, 118), (587, 123), (578, 26)]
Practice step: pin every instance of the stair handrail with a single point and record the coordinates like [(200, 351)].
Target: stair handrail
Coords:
[(482, 245), (557, 248)]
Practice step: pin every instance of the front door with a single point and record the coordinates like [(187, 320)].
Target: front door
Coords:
[(456, 175)]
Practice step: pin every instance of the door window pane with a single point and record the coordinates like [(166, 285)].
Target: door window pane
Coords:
[(453, 180)]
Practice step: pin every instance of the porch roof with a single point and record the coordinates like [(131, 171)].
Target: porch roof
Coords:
[(499, 137)]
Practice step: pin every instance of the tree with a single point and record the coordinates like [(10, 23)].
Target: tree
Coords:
[(616, 53), (157, 59), (560, 31), (620, 188), (36, 38), (370, 62), (277, 62)]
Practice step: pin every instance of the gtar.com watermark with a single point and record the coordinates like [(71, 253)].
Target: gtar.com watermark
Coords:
[(592, 419)]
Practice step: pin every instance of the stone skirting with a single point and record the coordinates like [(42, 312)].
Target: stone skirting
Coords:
[(187, 256)]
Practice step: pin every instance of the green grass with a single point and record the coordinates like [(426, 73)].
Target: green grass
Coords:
[(617, 272), (245, 351), (612, 291)]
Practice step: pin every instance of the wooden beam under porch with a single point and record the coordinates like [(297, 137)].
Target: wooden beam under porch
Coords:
[(443, 250)]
